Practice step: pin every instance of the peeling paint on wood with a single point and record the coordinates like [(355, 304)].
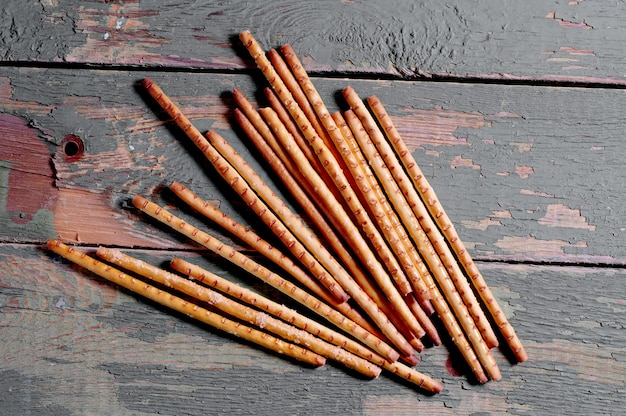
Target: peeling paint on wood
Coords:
[(528, 169), (510, 40), (549, 158), (140, 358)]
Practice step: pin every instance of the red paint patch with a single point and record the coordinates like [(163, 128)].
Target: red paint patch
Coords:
[(30, 181)]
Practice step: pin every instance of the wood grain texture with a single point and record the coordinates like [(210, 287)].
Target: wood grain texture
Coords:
[(92, 348), (575, 41), (525, 153)]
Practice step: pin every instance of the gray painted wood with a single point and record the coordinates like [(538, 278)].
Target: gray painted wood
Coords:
[(73, 344), (525, 173), (575, 41), (530, 174)]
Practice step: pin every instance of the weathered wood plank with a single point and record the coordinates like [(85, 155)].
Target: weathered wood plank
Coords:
[(579, 41), (525, 173), (74, 344)]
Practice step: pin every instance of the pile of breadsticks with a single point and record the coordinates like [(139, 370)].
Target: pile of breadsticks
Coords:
[(370, 249)]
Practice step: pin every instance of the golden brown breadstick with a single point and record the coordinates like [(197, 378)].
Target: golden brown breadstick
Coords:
[(235, 180), (426, 249), (447, 227), (349, 229), (294, 223), (257, 270), (352, 126), (237, 310), (429, 227), (270, 252), (374, 201), (184, 306)]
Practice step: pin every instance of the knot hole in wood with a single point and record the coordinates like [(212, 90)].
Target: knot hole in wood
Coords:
[(72, 147)]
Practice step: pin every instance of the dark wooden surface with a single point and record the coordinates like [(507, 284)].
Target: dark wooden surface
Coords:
[(514, 110)]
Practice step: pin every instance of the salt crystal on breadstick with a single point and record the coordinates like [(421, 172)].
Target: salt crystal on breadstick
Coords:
[(183, 306)]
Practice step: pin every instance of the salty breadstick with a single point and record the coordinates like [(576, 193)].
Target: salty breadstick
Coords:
[(183, 306), (372, 196), (268, 140), (257, 270), (426, 249), (436, 210), (291, 221), (240, 186), (414, 376), (352, 126), (412, 267), (292, 85), (289, 315), (237, 310), (254, 118), (335, 169), (349, 229), (284, 116), (280, 311), (304, 104), (437, 241), (270, 252)]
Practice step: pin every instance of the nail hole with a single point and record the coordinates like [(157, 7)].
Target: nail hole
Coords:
[(72, 147)]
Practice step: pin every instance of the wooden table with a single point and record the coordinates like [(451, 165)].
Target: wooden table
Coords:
[(514, 110)]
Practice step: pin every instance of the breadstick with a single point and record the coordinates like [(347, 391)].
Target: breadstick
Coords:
[(266, 275), (270, 252), (292, 222), (254, 118), (183, 306), (242, 312), (280, 311), (292, 85), (351, 125), (423, 319), (372, 198), (426, 249), (266, 143), (289, 315), (414, 376), (343, 183), (284, 116), (349, 229), (240, 186), (437, 241), (338, 248), (263, 138), (447, 227)]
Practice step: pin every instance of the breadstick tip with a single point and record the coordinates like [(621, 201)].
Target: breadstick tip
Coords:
[(147, 82), (176, 186), (139, 201), (53, 243)]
